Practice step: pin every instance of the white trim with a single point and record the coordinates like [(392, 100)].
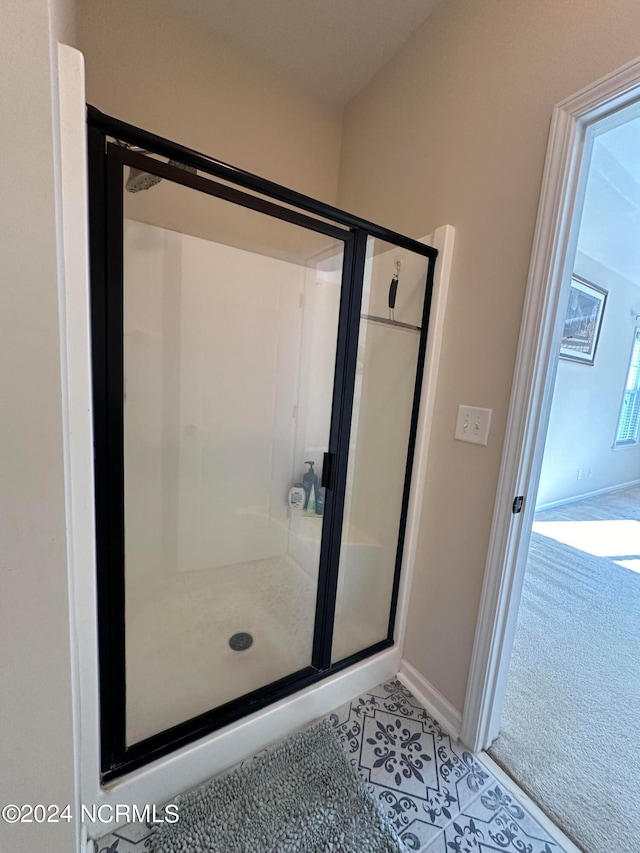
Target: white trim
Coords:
[(618, 447), (435, 703), (89, 846), (554, 247), (76, 410), (532, 807), (442, 239), (195, 762), (577, 498)]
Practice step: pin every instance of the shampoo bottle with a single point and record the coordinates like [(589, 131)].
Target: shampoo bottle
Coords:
[(310, 482)]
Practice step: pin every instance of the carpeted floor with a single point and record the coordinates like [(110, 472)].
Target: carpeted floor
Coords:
[(570, 731)]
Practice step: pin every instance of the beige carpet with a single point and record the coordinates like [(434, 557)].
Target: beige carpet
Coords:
[(571, 725)]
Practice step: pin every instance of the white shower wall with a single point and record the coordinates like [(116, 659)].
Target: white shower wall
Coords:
[(229, 366), (214, 342), (229, 358), (313, 416)]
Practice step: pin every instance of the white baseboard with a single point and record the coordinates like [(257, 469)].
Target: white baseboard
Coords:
[(525, 800), (436, 704), (586, 495)]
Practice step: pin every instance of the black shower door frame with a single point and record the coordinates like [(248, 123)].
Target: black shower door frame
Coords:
[(107, 160)]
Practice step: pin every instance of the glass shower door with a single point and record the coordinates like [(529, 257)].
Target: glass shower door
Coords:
[(384, 419), (256, 370), (230, 324)]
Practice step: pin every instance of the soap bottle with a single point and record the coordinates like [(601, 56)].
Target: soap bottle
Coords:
[(297, 496), (311, 506), (310, 482)]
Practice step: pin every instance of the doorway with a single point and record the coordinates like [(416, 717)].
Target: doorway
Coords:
[(569, 729), (551, 268)]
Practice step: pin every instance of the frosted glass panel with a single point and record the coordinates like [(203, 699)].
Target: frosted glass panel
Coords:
[(383, 402), (229, 354)]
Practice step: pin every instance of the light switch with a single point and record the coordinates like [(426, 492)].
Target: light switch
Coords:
[(473, 424)]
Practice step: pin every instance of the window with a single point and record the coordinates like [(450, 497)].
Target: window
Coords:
[(629, 421)]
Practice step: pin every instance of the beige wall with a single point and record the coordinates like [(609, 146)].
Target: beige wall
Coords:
[(36, 746), (453, 130), (149, 64), (63, 20)]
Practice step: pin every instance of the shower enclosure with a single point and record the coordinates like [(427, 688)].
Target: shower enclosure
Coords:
[(242, 335)]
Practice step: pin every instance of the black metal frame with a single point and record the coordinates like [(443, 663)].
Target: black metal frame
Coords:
[(106, 162)]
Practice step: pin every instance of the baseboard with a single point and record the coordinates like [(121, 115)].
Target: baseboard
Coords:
[(607, 490), (436, 704)]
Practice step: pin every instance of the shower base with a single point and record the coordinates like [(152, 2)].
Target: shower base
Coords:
[(179, 661)]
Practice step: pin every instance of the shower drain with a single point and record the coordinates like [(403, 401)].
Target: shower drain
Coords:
[(241, 641)]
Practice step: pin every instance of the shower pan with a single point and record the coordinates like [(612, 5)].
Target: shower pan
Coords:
[(242, 335)]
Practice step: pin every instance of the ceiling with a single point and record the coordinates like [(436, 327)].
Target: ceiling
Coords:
[(333, 47)]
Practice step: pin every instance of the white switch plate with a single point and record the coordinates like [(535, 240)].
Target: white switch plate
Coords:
[(473, 424)]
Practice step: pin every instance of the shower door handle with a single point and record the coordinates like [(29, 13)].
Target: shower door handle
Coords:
[(327, 471)]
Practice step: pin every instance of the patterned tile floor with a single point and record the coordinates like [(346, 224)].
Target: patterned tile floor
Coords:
[(438, 796)]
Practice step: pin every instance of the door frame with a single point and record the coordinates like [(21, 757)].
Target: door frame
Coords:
[(573, 127)]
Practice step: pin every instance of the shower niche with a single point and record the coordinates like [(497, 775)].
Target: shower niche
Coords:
[(242, 335)]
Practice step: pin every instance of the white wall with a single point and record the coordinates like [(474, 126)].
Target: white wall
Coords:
[(36, 744), (313, 415), (586, 402), (212, 348), (212, 341), (222, 346), (229, 366)]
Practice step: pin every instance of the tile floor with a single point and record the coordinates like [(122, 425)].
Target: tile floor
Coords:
[(438, 796)]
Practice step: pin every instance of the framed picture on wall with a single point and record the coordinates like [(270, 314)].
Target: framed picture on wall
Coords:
[(583, 321)]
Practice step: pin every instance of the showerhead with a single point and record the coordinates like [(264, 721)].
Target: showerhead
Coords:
[(139, 180)]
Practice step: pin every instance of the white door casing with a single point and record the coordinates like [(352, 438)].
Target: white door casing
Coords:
[(574, 124)]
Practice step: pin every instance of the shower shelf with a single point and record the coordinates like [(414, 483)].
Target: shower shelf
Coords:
[(374, 319)]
